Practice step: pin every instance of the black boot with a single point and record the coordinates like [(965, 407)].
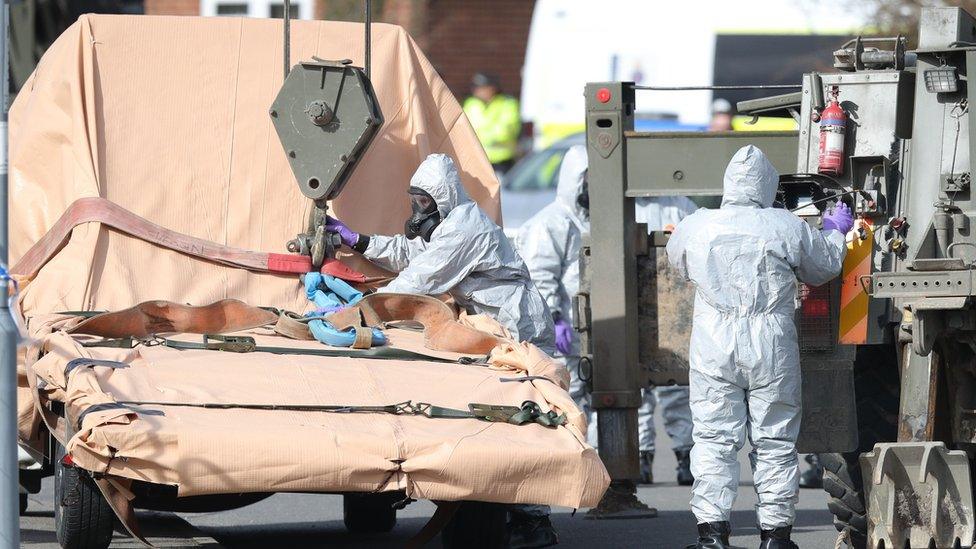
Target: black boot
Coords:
[(812, 477), (712, 535), (528, 532), (778, 538), (646, 467), (685, 478)]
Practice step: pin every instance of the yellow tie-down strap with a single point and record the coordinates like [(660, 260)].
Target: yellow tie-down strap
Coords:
[(853, 326)]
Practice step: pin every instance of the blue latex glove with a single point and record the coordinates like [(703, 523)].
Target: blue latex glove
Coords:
[(348, 236), (323, 311), (838, 218), (564, 336)]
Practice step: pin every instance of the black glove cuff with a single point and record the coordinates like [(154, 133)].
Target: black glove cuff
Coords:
[(361, 244)]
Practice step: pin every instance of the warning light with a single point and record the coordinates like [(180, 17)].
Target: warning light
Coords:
[(941, 80), (603, 95)]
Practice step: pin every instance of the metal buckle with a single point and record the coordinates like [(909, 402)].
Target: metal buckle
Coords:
[(493, 412), (231, 344)]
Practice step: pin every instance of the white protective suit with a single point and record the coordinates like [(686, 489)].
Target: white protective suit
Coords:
[(745, 259), (550, 244), (658, 213), (468, 256)]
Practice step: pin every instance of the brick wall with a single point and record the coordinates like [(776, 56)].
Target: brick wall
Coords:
[(461, 37), (173, 7)]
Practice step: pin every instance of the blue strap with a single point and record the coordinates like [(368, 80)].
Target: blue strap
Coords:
[(324, 332), (328, 291), (342, 288)]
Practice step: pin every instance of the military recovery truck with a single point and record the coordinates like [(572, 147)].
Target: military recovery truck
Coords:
[(889, 347)]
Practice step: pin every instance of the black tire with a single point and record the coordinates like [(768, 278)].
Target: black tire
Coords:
[(370, 513), (82, 517), (876, 388), (477, 525), (23, 503)]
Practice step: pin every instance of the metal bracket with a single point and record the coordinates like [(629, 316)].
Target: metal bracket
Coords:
[(581, 312), (922, 284), (928, 320), (604, 141)]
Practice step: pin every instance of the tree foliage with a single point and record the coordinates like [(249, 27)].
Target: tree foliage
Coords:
[(892, 17)]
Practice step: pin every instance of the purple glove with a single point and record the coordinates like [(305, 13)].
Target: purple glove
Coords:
[(838, 218), (348, 237), (564, 336)]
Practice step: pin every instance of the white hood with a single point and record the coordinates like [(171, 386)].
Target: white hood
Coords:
[(438, 176), (571, 174), (750, 180)]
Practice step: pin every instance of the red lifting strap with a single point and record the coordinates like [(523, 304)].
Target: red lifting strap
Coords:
[(289, 263), (293, 263), (339, 269), (99, 210)]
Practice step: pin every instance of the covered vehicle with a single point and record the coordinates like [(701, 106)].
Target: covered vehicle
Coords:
[(145, 179)]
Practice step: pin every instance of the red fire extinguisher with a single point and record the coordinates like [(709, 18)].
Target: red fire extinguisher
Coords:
[(833, 125)]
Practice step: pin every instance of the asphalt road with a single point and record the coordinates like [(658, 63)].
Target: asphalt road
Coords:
[(306, 520)]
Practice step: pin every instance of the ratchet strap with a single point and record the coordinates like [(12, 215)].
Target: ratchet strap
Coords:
[(528, 412), (247, 344), (100, 210)]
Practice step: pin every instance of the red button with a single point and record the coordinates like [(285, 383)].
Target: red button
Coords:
[(603, 95)]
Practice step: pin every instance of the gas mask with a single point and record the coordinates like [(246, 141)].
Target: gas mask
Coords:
[(583, 198), (424, 217)]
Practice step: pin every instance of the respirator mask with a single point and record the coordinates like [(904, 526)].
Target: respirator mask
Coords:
[(583, 198), (424, 217)]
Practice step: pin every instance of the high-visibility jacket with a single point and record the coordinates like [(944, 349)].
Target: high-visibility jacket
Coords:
[(497, 124)]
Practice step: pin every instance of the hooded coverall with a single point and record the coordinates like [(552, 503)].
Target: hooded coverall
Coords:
[(550, 243), (745, 259), (468, 257)]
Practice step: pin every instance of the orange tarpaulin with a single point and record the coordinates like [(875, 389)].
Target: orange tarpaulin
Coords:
[(168, 118)]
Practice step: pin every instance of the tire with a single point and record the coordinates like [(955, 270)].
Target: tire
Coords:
[(370, 513), (23, 503), (477, 525), (82, 517), (876, 389)]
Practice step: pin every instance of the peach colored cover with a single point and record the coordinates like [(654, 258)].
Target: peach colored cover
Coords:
[(208, 451), (168, 117)]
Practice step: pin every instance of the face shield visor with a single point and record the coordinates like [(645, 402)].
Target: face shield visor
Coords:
[(583, 198), (424, 216)]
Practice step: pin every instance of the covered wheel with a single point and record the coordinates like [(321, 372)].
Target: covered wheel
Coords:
[(83, 518), (876, 388), (477, 525), (370, 513)]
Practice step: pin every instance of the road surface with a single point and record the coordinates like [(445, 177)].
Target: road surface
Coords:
[(312, 520)]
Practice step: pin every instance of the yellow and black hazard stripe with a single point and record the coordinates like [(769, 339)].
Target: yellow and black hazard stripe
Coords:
[(853, 325)]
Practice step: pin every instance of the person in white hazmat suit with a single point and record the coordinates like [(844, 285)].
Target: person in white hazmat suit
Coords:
[(452, 247), (550, 243), (660, 214), (745, 259)]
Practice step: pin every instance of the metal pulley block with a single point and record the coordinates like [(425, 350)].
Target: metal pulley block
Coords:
[(326, 115)]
